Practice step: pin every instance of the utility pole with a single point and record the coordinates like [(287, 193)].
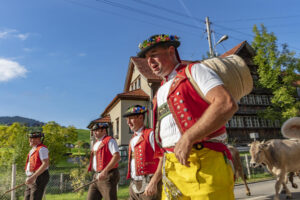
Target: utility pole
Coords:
[(211, 51)]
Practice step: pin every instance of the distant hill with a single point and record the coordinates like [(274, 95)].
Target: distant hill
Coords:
[(21, 120)]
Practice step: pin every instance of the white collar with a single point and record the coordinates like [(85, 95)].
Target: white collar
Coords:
[(98, 140), (139, 132), (173, 73)]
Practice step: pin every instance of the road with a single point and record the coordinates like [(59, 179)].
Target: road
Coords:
[(265, 191)]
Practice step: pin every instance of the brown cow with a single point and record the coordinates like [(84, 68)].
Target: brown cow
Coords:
[(238, 167), (279, 156)]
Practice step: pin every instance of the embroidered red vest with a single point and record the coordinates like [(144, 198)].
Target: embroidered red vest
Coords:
[(103, 155), (185, 105), (34, 159), (143, 156)]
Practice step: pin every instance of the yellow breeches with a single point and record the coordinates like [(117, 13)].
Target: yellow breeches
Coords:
[(209, 177)]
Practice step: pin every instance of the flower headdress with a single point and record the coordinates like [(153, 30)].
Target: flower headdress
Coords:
[(155, 40)]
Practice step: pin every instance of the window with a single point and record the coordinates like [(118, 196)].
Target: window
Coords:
[(248, 122), (117, 128), (251, 99), (244, 100), (265, 99), (258, 99), (263, 122), (277, 123), (139, 82), (270, 123), (240, 122), (233, 122), (255, 122)]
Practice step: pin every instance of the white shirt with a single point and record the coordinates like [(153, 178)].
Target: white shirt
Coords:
[(43, 154), (133, 142), (206, 79), (112, 146)]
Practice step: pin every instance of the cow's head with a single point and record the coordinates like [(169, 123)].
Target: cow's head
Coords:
[(257, 153)]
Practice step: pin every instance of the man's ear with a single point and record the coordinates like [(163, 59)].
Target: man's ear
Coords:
[(141, 116), (171, 50)]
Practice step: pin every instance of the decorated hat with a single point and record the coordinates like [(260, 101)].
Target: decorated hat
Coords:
[(157, 40), (36, 134), (135, 110), (99, 125)]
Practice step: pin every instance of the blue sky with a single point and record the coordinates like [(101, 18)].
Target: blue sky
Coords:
[(65, 60)]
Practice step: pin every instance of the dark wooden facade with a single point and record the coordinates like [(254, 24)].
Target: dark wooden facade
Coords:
[(246, 119)]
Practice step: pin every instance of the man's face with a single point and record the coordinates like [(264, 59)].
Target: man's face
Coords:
[(135, 122), (34, 141), (99, 133), (161, 60)]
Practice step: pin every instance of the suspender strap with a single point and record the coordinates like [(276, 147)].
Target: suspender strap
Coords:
[(163, 111)]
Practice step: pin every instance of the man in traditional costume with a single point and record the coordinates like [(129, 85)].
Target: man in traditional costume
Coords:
[(36, 167), (141, 162), (104, 162), (189, 128)]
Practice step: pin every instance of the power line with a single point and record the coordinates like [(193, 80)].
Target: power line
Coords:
[(146, 13), (174, 12), (129, 17), (255, 19), (122, 6)]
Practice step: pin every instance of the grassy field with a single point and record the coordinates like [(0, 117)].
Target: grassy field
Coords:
[(256, 177), (83, 135)]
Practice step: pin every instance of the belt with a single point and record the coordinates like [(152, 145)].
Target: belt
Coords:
[(197, 146), (216, 146), (108, 171)]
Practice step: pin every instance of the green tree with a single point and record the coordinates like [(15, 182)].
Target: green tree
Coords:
[(14, 142), (277, 71), (56, 138)]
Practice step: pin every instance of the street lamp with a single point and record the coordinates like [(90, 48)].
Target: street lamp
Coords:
[(223, 38)]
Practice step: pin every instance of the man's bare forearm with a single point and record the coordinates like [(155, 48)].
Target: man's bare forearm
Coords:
[(158, 174), (44, 166), (216, 115), (115, 159)]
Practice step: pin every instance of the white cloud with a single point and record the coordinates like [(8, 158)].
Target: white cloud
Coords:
[(22, 36), (6, 33), (10, 69)]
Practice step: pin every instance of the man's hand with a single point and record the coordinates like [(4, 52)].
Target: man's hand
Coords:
[(30, 180), (151, 189), (183, 149), (102, 175)]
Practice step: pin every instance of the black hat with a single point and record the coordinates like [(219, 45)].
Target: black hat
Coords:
[(135, 110), (36, 134), (156, 40), (99, 125)]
